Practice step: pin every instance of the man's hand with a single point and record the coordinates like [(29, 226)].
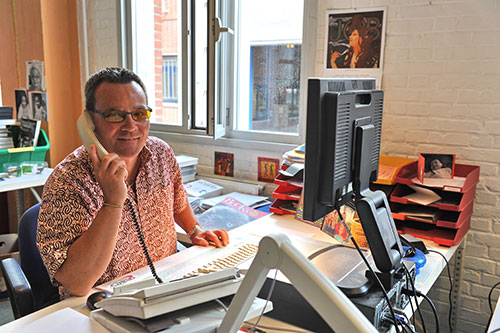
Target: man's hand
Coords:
[(217, 238), (111, 174)]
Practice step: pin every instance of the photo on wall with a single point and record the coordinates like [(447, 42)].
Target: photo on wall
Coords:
[(23, 106), (38, 101), (224, 164), (35, 78), (268, 169), (355, 43)]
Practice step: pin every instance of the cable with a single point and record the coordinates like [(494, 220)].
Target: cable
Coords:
[(489, 302), (408, 276), (451, 286), (432, 307), (143, 242), (371, 270)]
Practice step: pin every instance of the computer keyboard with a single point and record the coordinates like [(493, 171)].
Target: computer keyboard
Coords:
[(238, 256)]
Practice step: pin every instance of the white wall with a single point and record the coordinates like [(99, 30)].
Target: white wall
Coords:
[(442, 94)]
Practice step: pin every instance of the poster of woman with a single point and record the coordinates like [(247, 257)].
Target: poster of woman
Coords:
[(355, 43)]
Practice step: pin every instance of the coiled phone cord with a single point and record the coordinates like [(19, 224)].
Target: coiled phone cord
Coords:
[(143, 242)]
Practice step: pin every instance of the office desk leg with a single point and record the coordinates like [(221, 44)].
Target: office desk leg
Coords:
[(457, 277)]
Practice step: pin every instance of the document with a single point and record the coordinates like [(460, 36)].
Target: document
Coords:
[(422, 196), (65, 320)]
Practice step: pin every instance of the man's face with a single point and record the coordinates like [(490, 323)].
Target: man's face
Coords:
[(128, 137), (24, 101)]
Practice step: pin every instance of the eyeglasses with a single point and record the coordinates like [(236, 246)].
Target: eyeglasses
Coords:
[(117, 116)]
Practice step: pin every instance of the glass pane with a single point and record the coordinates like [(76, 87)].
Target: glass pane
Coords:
[(168, 94), (200, 70), (270, 46)]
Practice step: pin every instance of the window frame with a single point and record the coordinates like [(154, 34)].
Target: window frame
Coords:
[(230, 137)]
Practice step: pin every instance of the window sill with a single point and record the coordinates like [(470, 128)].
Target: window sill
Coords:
[(223, 142)]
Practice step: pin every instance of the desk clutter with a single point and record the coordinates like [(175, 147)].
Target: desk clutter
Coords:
[(445, 220)]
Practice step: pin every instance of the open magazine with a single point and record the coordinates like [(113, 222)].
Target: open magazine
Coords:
[(228, 214)]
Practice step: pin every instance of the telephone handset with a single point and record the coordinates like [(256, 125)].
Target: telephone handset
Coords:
[(86, 128)]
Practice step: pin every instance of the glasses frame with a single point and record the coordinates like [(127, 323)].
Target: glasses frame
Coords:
[(103, 114)]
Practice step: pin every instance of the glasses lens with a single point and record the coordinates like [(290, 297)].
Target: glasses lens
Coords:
[(114, 116), (140, 115)]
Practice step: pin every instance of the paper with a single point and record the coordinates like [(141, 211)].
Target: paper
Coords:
[(65, 320), (455, 182), (422, 196)]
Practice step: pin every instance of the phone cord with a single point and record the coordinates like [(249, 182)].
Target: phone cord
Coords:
[(143, 242)]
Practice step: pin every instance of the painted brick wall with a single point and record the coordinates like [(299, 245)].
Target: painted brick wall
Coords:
[(442, 94)]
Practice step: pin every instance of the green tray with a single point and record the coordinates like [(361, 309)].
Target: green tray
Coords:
[(18, 155)]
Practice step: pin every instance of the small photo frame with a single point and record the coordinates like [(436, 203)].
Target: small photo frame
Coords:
[(440, 166), (23, 106), (35, 77), (38, 101), (224, 164), (268, 169)]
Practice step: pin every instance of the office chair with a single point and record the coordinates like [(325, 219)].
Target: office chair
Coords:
[(28, 285)]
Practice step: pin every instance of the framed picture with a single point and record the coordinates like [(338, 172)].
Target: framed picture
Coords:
[(23, 106), (268, 169), (355, 43), (435, 166), (35, 79), (224, 164), (39, 105)]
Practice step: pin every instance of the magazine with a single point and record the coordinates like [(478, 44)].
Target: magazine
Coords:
[(28, 132), (228, 214)]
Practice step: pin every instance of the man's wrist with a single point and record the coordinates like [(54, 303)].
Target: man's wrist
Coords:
[(194, 231)]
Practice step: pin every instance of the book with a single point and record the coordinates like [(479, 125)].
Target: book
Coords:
[(203, 189), (228, 214), (29, 131)]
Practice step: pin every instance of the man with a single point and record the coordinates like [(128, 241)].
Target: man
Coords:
[(86, 230)]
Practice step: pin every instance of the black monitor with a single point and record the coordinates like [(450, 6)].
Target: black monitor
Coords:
[(344, 122)]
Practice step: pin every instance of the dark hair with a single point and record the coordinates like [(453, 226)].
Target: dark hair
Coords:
[(111, 75), (358, 22)]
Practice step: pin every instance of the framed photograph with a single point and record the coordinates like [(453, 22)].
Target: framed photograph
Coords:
[(23, 106), (268, 169), (435, 166), (35, 79), (39, 105), (355, 43), (224, 164)]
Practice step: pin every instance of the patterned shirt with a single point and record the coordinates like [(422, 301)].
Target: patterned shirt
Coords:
[(72, 198)]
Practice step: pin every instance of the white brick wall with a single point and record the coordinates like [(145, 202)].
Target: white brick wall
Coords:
[(442, 93)]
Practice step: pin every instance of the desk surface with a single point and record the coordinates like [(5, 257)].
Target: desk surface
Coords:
[(26, 181), (194, 256)]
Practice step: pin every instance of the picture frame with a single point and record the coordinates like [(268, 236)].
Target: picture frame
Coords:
[(435, 165), (268, 169), (35, 77), (224, 164), (23, 104), (354, 43)]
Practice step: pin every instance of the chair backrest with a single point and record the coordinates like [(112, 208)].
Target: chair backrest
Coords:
[(44, 293)]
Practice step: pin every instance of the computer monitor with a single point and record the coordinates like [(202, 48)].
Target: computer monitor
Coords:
[(344, 122)]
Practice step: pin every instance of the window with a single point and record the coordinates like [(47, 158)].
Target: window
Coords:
[(222, 67), (170, 79)]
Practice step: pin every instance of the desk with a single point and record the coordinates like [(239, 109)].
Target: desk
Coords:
[(253, 230), (23, 182)]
